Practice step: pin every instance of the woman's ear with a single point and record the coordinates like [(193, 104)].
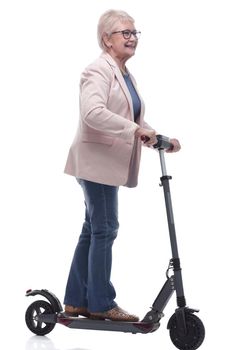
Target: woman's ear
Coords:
[(106, 41)]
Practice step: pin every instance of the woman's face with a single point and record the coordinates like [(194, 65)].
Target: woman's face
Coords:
[(123, 45)]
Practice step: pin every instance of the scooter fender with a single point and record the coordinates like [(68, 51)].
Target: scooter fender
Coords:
[(54, 301), (180, 315)]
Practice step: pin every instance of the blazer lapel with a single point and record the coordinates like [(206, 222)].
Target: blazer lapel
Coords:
[(124, 87), (121, 81)]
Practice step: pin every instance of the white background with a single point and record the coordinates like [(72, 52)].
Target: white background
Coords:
[(183, 67)]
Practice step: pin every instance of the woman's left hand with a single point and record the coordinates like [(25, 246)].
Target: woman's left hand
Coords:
[(176, 146)]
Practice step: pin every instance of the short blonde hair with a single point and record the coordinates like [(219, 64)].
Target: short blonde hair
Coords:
[(107, 23)]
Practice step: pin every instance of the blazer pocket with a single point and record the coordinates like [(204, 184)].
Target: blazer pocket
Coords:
[(94, 138)]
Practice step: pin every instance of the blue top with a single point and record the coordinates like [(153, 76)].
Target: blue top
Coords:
[(135, 98)]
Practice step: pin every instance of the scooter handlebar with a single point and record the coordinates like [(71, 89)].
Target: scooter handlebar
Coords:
[(163, 142)]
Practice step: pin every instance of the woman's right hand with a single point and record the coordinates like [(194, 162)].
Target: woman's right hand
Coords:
[(147, 134)]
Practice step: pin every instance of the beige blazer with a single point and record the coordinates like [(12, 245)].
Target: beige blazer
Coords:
[(104, 149)]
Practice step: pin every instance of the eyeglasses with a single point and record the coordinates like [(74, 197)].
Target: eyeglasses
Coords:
[(127, 33)]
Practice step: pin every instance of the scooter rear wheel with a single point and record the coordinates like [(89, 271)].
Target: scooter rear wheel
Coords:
[(194, 336), (33, 311)]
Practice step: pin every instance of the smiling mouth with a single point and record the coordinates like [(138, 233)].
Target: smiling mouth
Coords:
[(130, 46)]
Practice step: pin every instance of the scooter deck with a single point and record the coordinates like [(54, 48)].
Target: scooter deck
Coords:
[(101, 325)]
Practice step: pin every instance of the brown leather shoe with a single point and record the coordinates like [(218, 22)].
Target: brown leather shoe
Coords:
[(115, 314), (76, 311)]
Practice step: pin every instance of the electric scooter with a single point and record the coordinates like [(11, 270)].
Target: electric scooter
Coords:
[(186, 330)]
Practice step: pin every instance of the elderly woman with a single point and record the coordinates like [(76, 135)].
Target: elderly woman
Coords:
[(105, 154)]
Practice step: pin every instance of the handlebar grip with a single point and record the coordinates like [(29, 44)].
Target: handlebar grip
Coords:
[(163, 142)]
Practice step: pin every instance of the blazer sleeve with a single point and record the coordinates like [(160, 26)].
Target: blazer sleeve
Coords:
[(147, 126), (95, 85)]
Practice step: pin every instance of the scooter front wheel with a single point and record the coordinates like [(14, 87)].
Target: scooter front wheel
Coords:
[(31, 317), (194, 336)]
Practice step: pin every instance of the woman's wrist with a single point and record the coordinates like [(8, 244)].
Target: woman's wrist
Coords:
[(138, 132)]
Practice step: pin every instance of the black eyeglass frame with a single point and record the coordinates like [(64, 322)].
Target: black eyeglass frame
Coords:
[(128, 33)]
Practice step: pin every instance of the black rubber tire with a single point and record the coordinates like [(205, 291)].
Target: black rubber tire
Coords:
[(37, 308), (195, 333)]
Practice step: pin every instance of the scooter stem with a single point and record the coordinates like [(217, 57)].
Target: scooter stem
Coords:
[(162, 162), (172, 231)]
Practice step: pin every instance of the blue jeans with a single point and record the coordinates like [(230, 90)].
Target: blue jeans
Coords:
[(89, 282)]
